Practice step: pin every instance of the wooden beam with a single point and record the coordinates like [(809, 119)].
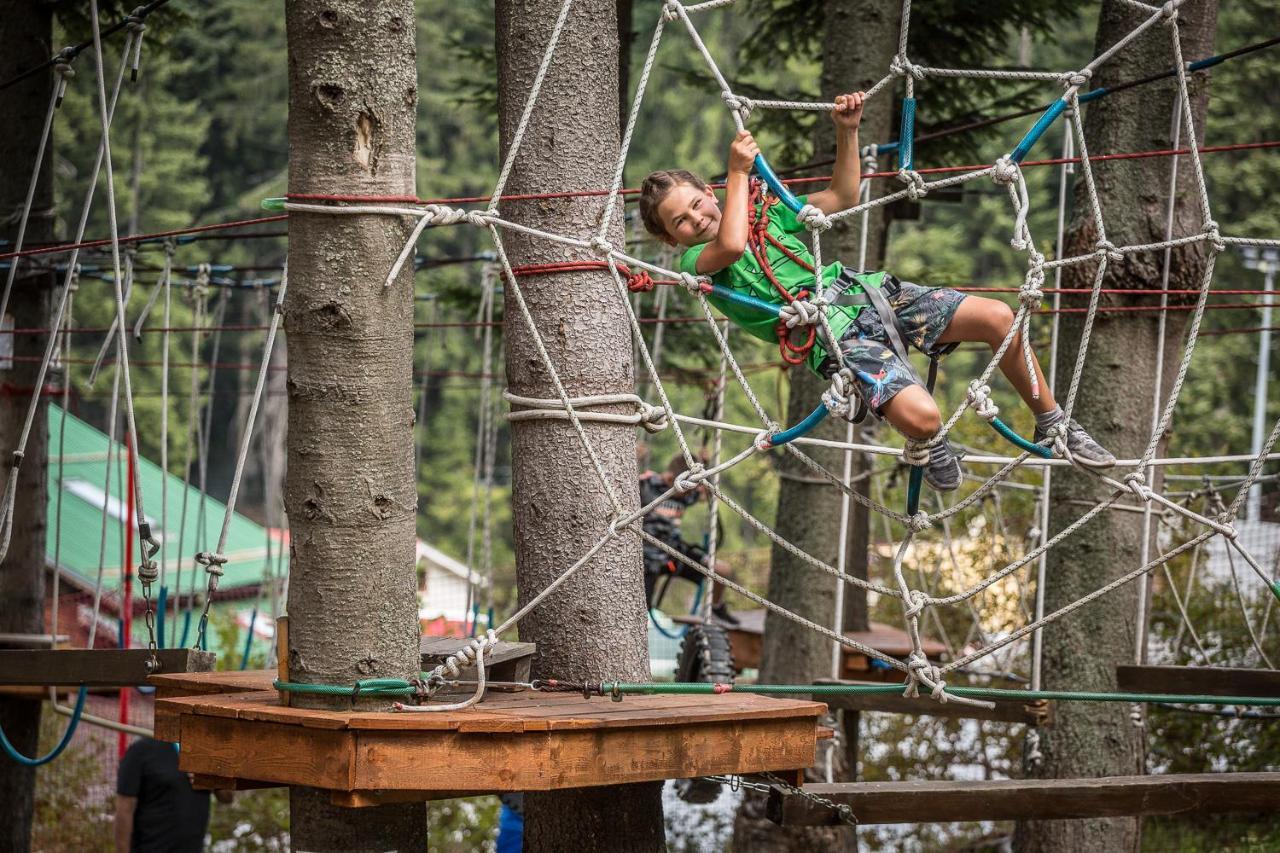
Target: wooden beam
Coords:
[(1031, 799), (1204, 680), (205, 782), (96, 667), (1036, 712), (368, 799)]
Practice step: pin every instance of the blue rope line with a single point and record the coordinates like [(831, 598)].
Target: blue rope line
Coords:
[(248, 640), (697, 601), (13, 753)]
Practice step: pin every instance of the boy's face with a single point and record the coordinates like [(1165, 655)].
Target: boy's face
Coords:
[(690, 216)]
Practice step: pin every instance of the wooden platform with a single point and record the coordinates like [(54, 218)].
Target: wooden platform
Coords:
[(510, 742), (747, 639), (1031, 799), (95, 667), (1204, 680), (1034, 712)]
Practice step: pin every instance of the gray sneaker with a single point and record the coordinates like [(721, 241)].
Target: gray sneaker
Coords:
[(1084, 449), (943, 472)]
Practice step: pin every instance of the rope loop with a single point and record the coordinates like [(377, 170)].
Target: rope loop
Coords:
[(640, 282), (915, 453), (1107, 249), (813, 218), (979, 396)]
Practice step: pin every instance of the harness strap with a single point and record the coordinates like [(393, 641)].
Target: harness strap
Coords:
[(894, 332)]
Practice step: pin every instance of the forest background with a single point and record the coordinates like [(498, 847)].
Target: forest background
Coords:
[(204, 140)]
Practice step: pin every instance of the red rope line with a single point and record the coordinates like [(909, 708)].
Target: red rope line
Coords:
[(939, 170)]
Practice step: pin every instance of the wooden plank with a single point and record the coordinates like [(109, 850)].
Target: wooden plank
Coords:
[(206, 782), (580, 758), (1032, 799), (1205, 680), (1035, 712), (171, 684), (97, 667), (368, 799), (266, 752)]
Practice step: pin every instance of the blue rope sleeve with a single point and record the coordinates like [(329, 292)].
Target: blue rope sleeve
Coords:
[(1020, 442), (775, 185), (162, 604), (13, 753), (805, 426), (906, 148), (1037, 130), (913, 489), (743, 299)]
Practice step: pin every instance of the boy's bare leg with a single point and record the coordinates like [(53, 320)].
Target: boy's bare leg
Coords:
[(988, 320), (913, 412)]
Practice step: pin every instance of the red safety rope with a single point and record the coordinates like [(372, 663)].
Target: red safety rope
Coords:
[(758, 236)]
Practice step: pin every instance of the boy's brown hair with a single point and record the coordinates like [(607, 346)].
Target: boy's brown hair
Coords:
[(655, 189)]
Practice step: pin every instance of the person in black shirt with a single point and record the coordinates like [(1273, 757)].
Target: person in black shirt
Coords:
[(663, 522), (156, 807)]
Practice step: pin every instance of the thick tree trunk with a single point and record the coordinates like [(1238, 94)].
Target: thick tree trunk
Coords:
[(594, 626), (1082, 650), (809, 508), (350, 485), (28, 38)]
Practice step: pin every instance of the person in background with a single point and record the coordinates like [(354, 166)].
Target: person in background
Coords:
[(157, 810)]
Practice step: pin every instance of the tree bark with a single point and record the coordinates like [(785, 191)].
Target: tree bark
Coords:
[(1115, 404), (809, 509), (350, 491), (28, 40), (594, 626)]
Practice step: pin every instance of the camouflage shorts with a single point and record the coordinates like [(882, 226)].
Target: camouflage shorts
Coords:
[(923, 313)]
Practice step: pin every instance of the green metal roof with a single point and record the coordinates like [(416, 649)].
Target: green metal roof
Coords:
[(83, 464)]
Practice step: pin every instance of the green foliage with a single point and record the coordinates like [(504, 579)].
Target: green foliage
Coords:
[(71, 785)]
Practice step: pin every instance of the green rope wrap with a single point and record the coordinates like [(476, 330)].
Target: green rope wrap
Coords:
[(367, 687)]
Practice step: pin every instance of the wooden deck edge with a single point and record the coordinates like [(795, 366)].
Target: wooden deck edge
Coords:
[(1031, 799), (1204, 680)]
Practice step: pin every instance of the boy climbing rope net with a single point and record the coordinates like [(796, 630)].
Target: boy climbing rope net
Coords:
[(750, 247)]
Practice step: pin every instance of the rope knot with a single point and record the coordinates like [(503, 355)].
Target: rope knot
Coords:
[(763, 440), (1057, 433), (652, 418), (916, 607), (920, 522), (1031, 750), (739, 104), (1005, 171), (601, 245), (915, 453), (694, 284), (921, 671), (640, 281), (813, 218), (135, 21), (1108, 250), (842, 399), (1075, 78), (1214, 237), (980, 399), (1032, 291), (212, 563), (1170, 11), (689, 479), (62, 63), (1225, 518), (1137, 483), (915, 183), (671, 10), (798, 313), (901, 66)]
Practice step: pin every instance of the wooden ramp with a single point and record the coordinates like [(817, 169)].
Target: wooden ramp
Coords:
[(1034, 712), (1202, 680), (747, 639), (95, 667), (1030, 799), (510, 742)]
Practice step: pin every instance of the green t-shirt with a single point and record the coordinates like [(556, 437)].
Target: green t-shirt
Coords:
[(745, 276)]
